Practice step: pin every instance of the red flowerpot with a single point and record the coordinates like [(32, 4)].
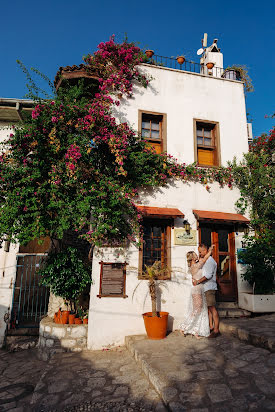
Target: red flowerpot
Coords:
[(85, 321), (65, 317), (156, 326), (149, 53), (55, 317), (181, 59), (210, 65), (78, 321), (71, 318)]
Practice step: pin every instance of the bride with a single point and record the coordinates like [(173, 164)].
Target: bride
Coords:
[(196, 321)]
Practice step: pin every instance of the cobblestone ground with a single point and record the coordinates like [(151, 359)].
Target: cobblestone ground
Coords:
[(99, 380), (220, 374), (19, 372)]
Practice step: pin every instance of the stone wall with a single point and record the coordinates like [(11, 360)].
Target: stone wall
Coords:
[(54, 338)]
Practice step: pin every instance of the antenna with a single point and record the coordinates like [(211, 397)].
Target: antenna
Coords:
[(204, 44)]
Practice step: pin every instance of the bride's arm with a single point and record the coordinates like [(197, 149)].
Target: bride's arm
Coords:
[(204, 259)]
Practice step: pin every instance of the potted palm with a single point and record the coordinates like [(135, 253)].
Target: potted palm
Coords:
[(155, 322)]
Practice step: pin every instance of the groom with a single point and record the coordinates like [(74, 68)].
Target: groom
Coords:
[(210, 286)]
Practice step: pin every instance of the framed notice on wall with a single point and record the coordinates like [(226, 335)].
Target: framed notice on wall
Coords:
[(181, 237), (112, 280)]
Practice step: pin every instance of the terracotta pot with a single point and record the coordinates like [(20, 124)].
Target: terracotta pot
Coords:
[(71, 318), (181, 59), (210, 65), (149, 53), (55, 317), (65, 317), (85, 321), (58, 316), (78, 321), (156, 327)]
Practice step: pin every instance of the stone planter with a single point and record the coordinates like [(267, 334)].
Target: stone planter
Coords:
[(257, 303), (54, 338)]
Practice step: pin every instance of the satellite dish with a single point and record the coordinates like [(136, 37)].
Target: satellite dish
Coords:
[(200, 51)]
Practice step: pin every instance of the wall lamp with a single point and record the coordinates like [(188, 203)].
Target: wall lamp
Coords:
[(187, 226)]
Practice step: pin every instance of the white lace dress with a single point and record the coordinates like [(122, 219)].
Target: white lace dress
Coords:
[(196, 320)]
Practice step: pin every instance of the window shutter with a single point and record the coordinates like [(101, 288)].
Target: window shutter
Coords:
[(206, 157), (112, 280)]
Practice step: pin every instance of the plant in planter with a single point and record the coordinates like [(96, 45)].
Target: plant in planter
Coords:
[(66, 274), (239, 72), (155, 322)]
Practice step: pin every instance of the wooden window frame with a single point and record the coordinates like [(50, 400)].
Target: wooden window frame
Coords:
[(123, 295), (169, 224), (163, 131), (215, 148)]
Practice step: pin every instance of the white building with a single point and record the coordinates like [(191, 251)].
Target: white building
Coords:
[(196, 115)]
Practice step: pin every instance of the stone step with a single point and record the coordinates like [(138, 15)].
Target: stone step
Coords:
[(233, 313), (19, 343), (228, 305)]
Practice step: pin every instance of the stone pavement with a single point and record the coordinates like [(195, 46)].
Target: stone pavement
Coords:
[(104, 380), (258, 331), (221, 374)]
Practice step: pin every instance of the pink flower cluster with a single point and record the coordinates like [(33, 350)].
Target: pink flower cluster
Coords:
[(73, 154)]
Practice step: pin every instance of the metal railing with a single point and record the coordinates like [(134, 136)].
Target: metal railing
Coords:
[(187, 66)]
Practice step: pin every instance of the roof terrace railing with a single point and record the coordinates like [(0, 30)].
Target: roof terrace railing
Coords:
[(189, 66)]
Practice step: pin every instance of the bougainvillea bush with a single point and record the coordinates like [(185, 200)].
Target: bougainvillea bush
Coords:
[(255, 178), (74, 167)]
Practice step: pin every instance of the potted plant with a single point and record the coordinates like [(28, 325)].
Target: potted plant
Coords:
[(180, 59), (149, 53), (155, 322), (67, 276), (259, 260), (210, 65), (239, 72)]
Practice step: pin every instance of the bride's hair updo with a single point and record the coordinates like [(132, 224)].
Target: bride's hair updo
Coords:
[(190, 256)]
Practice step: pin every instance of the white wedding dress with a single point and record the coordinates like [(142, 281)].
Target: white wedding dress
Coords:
[(196, 320)]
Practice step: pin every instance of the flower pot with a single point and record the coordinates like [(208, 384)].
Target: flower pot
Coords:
[(156, 327), (71, 318), (65, 317), (55, 317), (85, 321), (149, 53), (78, 321), (257, 303), (58, 316), (181, 59), (210, 65)]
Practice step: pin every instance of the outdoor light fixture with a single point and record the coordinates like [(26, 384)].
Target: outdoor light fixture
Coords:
[(246, 230), (7, 245), (187, 226)]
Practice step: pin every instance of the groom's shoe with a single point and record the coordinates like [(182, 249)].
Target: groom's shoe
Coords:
[(214, 335)]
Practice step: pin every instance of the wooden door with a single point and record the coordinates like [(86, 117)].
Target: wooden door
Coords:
[(223, 237)]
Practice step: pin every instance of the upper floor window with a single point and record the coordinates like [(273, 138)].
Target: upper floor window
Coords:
[(207, 143), (152, 127)]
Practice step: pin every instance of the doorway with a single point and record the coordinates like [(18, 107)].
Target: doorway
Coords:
[(223, 237)]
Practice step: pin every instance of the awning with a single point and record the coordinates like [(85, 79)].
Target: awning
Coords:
[(160, 212), (207, 216)]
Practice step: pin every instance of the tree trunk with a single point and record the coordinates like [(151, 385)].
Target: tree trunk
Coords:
[(152, 289)]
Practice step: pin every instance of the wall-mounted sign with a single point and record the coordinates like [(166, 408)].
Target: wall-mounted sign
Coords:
[(181, 237)]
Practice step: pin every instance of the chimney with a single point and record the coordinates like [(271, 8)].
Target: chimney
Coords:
[(212, 54)]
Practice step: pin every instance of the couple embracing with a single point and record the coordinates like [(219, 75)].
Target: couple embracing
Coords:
[(202, 318)]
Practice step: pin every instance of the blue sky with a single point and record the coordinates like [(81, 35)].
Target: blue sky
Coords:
[(50, 34)]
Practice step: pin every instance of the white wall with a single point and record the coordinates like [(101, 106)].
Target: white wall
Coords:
[(7, 264), (186, 96), (111, 319)]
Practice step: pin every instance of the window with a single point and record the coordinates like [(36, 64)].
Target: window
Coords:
[(152, 127), (112, 280), (206, 143), (156, 243)]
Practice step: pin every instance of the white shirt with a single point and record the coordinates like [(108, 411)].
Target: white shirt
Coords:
[(209, 270)]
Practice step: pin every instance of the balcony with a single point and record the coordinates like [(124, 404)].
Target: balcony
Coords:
[(191, 67)]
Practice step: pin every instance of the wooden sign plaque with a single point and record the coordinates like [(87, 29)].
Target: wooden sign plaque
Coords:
[(112, 280)]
